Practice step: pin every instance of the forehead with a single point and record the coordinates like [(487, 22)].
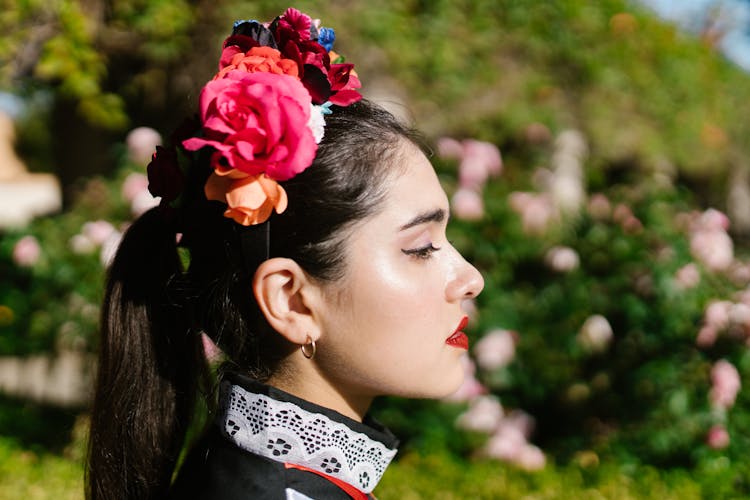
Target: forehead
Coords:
[(414, 188)]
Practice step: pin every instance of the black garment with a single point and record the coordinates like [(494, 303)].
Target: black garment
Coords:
[(260, 429)]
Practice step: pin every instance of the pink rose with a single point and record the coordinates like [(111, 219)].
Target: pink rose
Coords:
[(599, 207), (484, 415), (472, 173), (562, 259), (486, 153), (133, 184), (707, 336), (714, 219), (141, 142), (718, 437), (26, 251), (713, 248), (467, 204), (98, 231), (595, 334), (449, 148), (717, 314), (471, 387), (496, 349), (506, 444), (531, 458), (257, 122), (725, 384), (688, 276)]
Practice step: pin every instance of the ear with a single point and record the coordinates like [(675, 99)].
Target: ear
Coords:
[(287, 298)]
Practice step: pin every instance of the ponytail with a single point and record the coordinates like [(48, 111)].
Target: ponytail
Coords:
[(150, 364)]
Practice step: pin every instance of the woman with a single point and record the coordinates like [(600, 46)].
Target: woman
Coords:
[(314, 227)]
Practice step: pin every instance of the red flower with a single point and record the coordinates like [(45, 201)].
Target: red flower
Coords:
[(165, 178), (257, 122)]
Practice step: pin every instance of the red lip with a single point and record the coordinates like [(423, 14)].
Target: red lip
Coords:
[(459, 338)]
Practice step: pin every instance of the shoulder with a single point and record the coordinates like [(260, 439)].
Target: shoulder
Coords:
[(216, 469)]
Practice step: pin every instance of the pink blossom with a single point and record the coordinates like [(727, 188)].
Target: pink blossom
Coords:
[(449, 149), (595, 334), (506, 443), (714, 219), (568, 192), (109, 248), (707, 336), (537, 211), (739, 273), (142, 203), (599, 207), (743, 296), (256, 123), (98, 231), (632, 225), (80, 244), (467, 204), (621, 213), (562, 259), (725, 384), (531, 458), (688, 276), (26, 251), (496, 349), (485, 153), (718, 437), (713, 248), (133, 185), (521, 421), (484, 415), (470, 388), (472, 173), (717, 314), (141, 143), (739, 314)]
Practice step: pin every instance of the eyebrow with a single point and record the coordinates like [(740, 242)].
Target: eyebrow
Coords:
[(437, 215)]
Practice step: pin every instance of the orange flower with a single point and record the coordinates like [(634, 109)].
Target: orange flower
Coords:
[(260, 60), (250, 197)]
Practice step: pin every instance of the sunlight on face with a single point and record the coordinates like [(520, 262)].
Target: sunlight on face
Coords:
[(401, 297)]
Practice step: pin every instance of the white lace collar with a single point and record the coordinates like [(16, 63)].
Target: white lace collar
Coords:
[(285, 432)]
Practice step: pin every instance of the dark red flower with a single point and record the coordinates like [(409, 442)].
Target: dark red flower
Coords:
[(165, 178)]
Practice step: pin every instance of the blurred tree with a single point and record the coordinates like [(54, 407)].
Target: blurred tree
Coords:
[(107, 64)]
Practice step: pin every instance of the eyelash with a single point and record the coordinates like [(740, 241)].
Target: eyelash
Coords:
[(422, 253)]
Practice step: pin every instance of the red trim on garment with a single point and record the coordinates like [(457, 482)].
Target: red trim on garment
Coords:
[(350, 490)]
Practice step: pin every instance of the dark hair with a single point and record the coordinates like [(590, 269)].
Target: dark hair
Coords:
[(151, 363)]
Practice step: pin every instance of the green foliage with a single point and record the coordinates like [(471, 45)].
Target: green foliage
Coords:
[(55, 302)]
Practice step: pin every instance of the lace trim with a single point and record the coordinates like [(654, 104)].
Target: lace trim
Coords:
[(284, 432)]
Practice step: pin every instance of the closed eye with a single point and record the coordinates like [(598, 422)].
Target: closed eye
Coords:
[(424, 252)]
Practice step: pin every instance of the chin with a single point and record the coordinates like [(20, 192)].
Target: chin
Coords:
[(448, 383)]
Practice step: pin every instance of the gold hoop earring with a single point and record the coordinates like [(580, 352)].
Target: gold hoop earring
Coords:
[(308, 350)]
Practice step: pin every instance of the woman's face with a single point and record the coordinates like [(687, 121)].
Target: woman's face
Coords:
[(386, 325)]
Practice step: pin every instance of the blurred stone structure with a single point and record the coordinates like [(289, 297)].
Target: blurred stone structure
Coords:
[(62, 380), (23, 195)]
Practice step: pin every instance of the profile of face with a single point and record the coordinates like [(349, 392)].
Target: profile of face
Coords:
[(385, 326)]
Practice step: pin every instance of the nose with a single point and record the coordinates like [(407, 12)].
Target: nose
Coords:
[(467, 283)]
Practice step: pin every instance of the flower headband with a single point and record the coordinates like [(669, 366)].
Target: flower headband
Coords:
[(262, 114)]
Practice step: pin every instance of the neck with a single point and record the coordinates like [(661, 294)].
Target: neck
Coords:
[(315, 388)]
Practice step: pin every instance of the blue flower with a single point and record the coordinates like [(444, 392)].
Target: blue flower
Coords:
[(326, 36)]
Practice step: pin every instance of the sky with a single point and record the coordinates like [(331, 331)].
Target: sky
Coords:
[(735, 16)]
